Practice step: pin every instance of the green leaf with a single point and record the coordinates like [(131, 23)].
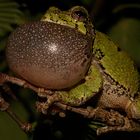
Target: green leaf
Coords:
[(5, 26), (126, 33), (9, 15), (5, 3)]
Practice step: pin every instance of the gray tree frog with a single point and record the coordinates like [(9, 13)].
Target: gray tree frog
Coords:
[(65, 60)]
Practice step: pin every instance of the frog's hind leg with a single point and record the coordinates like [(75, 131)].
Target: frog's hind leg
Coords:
[(112, 120), (129, 126), (108, 117)]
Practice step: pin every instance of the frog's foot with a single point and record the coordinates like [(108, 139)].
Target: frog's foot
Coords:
[(111, 118), (129, 126), (55, 110), (114, 118), (44, 106), (4, 106)]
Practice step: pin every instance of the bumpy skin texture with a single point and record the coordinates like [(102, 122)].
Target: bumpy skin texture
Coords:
[(116, 63), (83, 92), (51, 55), (38, 53), (112, 77), (120, 77)]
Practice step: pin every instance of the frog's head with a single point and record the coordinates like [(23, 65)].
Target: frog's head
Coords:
[(76, 17), (58, 47)]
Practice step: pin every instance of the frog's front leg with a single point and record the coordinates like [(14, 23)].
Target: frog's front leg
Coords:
[(77, 95), (4, 78), (44, 106)]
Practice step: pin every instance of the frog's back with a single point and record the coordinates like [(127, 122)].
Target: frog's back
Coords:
[(116, 63)]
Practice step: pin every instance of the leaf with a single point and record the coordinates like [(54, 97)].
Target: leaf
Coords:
[(9, 15), (4, 3), (126, 33)]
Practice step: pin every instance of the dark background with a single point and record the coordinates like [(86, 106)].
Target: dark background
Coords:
[(120, 19)]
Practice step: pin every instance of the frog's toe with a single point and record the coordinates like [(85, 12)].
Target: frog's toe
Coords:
[(42, 107), (129, 126), (116, 119)]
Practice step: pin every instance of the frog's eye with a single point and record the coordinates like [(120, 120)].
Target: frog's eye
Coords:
[(79, 14)]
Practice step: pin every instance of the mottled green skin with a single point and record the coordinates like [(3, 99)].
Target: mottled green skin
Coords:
[(82, 92), (120, 88), (112, 76), (116, 63), (65, 18)]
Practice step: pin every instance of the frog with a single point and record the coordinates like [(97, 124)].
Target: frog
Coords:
[(64, 52), (65, 60)]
